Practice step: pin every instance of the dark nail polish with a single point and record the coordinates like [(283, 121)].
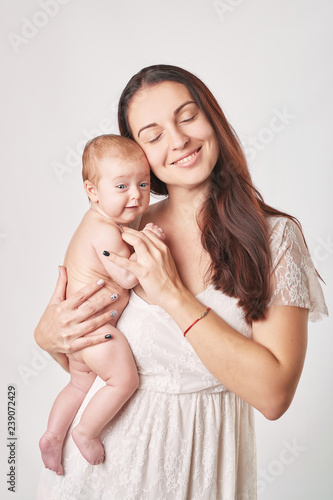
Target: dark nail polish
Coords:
[(108, 336), (106, 253), (114, 296)]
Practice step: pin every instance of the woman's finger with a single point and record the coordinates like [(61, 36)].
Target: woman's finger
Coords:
[(146, 245), (84, 293), (87, 314), (123, 262), (88, 341), (145, 235), (59, 294)]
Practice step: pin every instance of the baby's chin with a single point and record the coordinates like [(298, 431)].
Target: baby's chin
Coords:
[(131, 214)]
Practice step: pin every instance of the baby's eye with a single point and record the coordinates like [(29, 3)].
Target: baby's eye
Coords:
[(144, 184), (121, 186)]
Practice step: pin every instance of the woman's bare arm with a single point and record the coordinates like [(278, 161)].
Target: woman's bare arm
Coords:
[(264, 370)]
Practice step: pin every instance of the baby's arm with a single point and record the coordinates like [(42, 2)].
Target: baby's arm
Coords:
[(109, 238)]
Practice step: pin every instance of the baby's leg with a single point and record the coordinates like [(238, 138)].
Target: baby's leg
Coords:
[(114, 363), (62, 413)]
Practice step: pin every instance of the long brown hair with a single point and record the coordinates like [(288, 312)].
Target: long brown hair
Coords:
[(233, 217)]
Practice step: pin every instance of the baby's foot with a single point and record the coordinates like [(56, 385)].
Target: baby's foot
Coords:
[(91, 449), (155, 229), (51, 448)]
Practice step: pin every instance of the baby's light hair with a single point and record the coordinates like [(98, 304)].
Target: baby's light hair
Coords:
[(103, 146)]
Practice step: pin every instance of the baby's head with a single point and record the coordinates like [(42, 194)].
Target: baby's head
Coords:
[(116, 177)]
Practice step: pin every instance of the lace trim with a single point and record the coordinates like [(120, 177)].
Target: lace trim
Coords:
[(294, 278)]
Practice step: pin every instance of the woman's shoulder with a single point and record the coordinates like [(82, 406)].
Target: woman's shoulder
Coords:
[(295, 281), (282, 228), (285, 236), (279, 222)]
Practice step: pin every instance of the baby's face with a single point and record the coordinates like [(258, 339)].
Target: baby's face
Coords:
[(123, 187)]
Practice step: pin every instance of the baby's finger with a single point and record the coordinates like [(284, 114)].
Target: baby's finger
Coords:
[(155, 229)]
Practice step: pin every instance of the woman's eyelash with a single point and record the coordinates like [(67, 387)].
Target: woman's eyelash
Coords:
[(189, 119), (182, 121), (155, 138)]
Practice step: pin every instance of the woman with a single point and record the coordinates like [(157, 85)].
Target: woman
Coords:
[(234, 275)]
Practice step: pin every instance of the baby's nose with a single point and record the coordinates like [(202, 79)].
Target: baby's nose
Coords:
[(135, 194)]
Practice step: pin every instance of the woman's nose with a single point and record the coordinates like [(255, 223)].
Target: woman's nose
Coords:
[(177, 138)]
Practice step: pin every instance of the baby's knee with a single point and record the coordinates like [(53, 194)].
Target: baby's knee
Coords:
[(135, 381), (131, 383), (127, 384)]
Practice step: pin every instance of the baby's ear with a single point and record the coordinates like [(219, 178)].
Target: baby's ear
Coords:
[(91, 191)]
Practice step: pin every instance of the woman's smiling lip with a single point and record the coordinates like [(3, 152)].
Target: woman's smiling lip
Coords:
[(186, 159)]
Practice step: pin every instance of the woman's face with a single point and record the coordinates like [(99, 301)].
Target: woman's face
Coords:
[(178, 140)]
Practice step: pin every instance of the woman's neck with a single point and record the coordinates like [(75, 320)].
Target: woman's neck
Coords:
[(185, 202)]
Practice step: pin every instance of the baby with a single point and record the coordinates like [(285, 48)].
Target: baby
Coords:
[(117, 181)]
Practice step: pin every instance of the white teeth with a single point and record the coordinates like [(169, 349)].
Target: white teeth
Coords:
[(185, 160)]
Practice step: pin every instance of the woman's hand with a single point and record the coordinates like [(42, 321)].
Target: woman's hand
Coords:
[(154, 268), (65, 321)]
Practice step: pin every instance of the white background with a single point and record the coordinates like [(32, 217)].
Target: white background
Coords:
[(61, 77)]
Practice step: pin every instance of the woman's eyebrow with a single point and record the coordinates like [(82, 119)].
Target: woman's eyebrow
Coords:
[(154, 124), (182, 105), (147, 126)]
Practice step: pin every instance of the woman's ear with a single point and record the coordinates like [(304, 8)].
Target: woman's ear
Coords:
[(91, 191)]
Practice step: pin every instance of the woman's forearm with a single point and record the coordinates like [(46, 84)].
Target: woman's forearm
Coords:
[(264, 370), (266, 376)]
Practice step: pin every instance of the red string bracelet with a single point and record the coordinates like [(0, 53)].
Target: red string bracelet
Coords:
[(196, 321)]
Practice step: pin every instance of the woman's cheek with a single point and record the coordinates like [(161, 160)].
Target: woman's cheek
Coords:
[(154, 159)]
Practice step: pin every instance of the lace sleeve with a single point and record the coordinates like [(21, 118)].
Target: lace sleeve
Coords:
[(294, 281)]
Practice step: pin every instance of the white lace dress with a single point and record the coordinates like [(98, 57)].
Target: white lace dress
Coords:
[(183, 435)]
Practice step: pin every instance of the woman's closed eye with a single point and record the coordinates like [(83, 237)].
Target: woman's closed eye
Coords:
[(155, 139), (185, 120)]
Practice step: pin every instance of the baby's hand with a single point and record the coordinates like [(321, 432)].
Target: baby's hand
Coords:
[(155, 229)]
